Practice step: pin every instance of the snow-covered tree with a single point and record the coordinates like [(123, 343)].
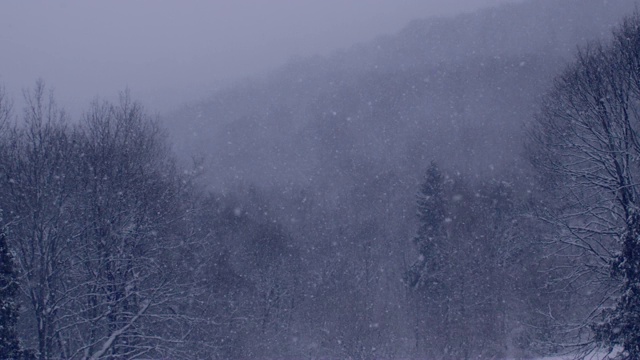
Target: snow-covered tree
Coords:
[(37, 193), (129, 281), (96, 215), (586, 143)]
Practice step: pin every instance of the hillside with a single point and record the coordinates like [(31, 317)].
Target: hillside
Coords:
[(333, 150), (418, 94)]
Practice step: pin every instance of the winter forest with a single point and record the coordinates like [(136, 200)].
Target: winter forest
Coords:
[(466, 188)]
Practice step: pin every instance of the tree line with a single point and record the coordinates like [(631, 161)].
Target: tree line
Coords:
[(108, 247)]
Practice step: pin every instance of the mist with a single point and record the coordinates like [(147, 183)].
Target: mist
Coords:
[(319, 179), (169, 52)]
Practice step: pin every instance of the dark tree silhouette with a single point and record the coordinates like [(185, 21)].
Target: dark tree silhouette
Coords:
[(431, 214), (9, 344), (424, 277)]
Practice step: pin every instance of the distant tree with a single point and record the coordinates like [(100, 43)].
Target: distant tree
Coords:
[(431, 214), (463, 280), (586, 143), (427, 276), (5, 109)]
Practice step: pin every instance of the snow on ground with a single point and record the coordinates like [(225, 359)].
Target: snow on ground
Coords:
[(599, 356)]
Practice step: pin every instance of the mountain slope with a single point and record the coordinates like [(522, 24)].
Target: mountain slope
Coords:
[(455, 89), (340, 143)]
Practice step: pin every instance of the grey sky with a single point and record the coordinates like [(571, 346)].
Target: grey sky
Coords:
[(171, 51)]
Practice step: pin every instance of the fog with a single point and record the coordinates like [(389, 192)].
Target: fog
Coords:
[(170, 52), (296, 179)]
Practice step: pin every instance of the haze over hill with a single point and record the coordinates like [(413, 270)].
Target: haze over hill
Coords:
[(338, 145), (170, 52), (456, 89), (439, 192)]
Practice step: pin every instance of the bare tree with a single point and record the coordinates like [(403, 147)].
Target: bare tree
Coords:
[(5, 110), (129, 282), (586, 142), (96, 214), (37, 212)]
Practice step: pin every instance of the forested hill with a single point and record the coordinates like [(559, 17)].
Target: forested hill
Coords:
[(543, 27), (417, 94), (327, 154)]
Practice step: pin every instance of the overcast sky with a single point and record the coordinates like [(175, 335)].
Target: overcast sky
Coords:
[(171, 51)]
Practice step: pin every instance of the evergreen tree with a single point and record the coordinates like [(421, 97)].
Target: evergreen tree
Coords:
[(9, 345), (431, 214), (427, 275)]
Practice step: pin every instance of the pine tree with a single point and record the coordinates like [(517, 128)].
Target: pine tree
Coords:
[(431, 214), (427, 275), (9, 345)]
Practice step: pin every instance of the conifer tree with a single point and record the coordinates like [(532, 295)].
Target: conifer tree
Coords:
[(425, 277), (431, 214), (9, 345)]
